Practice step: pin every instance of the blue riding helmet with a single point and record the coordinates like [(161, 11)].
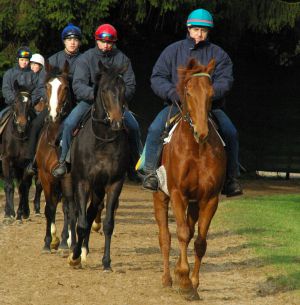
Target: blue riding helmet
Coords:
[(71, 31), (200, 17)]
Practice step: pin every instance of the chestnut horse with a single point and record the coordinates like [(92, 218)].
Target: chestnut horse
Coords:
[(195, 164), (13, 149), (100, 157), (59, 105)]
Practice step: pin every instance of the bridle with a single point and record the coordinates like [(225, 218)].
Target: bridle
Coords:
[(105, 121), (25, 99)]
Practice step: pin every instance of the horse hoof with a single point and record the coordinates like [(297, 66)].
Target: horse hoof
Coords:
[(96, 226), (54, 244), (37, 214), (19, 221), (63, 252), (107, 270), (46, 250), (75, 263), (167, 282), (8, 220), (190, 294)]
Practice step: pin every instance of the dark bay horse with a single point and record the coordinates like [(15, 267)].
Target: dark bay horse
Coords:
[(100, 158), (14, 147), (195, 164), (59, 105)]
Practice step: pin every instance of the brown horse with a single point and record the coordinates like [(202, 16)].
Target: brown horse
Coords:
[(195, 164), (59, 105)]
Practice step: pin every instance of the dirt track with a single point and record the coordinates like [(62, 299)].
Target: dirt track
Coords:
[(231, 274)]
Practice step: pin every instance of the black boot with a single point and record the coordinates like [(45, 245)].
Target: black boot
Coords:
[(60, 170), (31, 169), (232, 188), (151, 182)]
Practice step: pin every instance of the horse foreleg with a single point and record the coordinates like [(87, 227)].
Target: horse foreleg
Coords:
[(205, 216), (81, 198), (23, 209), (37, 197), (51, 240), (70, 216), (9, 192), (161, 205), (113, 194), (182, 269)]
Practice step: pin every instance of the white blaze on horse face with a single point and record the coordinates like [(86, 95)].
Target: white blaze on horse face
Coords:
[(25, 99), (54, 97)]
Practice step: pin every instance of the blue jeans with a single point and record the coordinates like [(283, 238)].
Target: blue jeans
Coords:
[(154, 144), (74, 118)]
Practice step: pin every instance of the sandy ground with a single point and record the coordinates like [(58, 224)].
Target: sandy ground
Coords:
[(230, 273)]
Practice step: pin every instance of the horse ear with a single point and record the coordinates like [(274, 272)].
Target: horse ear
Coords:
[(66, 68), (211, 66), (48, 67), (102, 67), (16, 86), (192, 63)]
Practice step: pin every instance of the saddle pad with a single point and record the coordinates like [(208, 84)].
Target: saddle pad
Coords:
[(162, 178)]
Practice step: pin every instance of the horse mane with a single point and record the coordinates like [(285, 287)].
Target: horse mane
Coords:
[(186, 72)]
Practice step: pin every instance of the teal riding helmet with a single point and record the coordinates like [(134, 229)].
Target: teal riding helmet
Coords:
[(200, 17)]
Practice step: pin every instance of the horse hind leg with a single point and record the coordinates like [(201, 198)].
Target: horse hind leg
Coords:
[(95, 208), (207, 212), (161, 206), (37, 198), (96, 226)]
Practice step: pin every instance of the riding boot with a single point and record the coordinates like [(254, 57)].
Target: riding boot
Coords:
[(151, 181), (60, 170), (232, 187)]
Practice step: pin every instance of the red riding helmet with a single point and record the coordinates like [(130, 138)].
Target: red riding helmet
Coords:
[(106, 32)]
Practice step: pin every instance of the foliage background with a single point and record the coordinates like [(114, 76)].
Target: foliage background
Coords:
[(261, 36)]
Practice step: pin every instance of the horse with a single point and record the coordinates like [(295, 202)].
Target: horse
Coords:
[(195, 164), (14, 146), (100, 158), (59, 105)]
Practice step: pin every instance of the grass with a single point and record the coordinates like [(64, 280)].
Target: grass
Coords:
[(272, 226)]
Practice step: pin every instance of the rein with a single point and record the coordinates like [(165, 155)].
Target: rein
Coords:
[(187, 117)]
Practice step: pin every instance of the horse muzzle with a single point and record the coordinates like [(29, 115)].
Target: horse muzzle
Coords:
[(117, 125)]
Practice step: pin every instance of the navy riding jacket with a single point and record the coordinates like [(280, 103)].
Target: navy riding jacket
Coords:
[(26, 78), (58, 60), (164, 75), (87, 68)]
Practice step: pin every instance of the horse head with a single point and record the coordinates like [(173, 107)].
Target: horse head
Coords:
[(110, 95), (196, 92), (21, 107), (57, 90)]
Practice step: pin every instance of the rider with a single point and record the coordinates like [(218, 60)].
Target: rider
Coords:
[(163, 82), (21, 73), (83, 86), (71, 37), (37, 62)]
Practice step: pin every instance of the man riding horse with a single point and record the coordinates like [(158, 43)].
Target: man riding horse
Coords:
[(163, 82)]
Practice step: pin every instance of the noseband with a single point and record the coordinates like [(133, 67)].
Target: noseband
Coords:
[(106, 121)]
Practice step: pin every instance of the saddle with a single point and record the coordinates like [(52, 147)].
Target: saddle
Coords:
[(4, 119)]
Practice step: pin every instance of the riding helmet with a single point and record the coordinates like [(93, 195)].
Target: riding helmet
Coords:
[(106, 32), (200, 18), (71, 31), (24, 52), (38, 58)]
